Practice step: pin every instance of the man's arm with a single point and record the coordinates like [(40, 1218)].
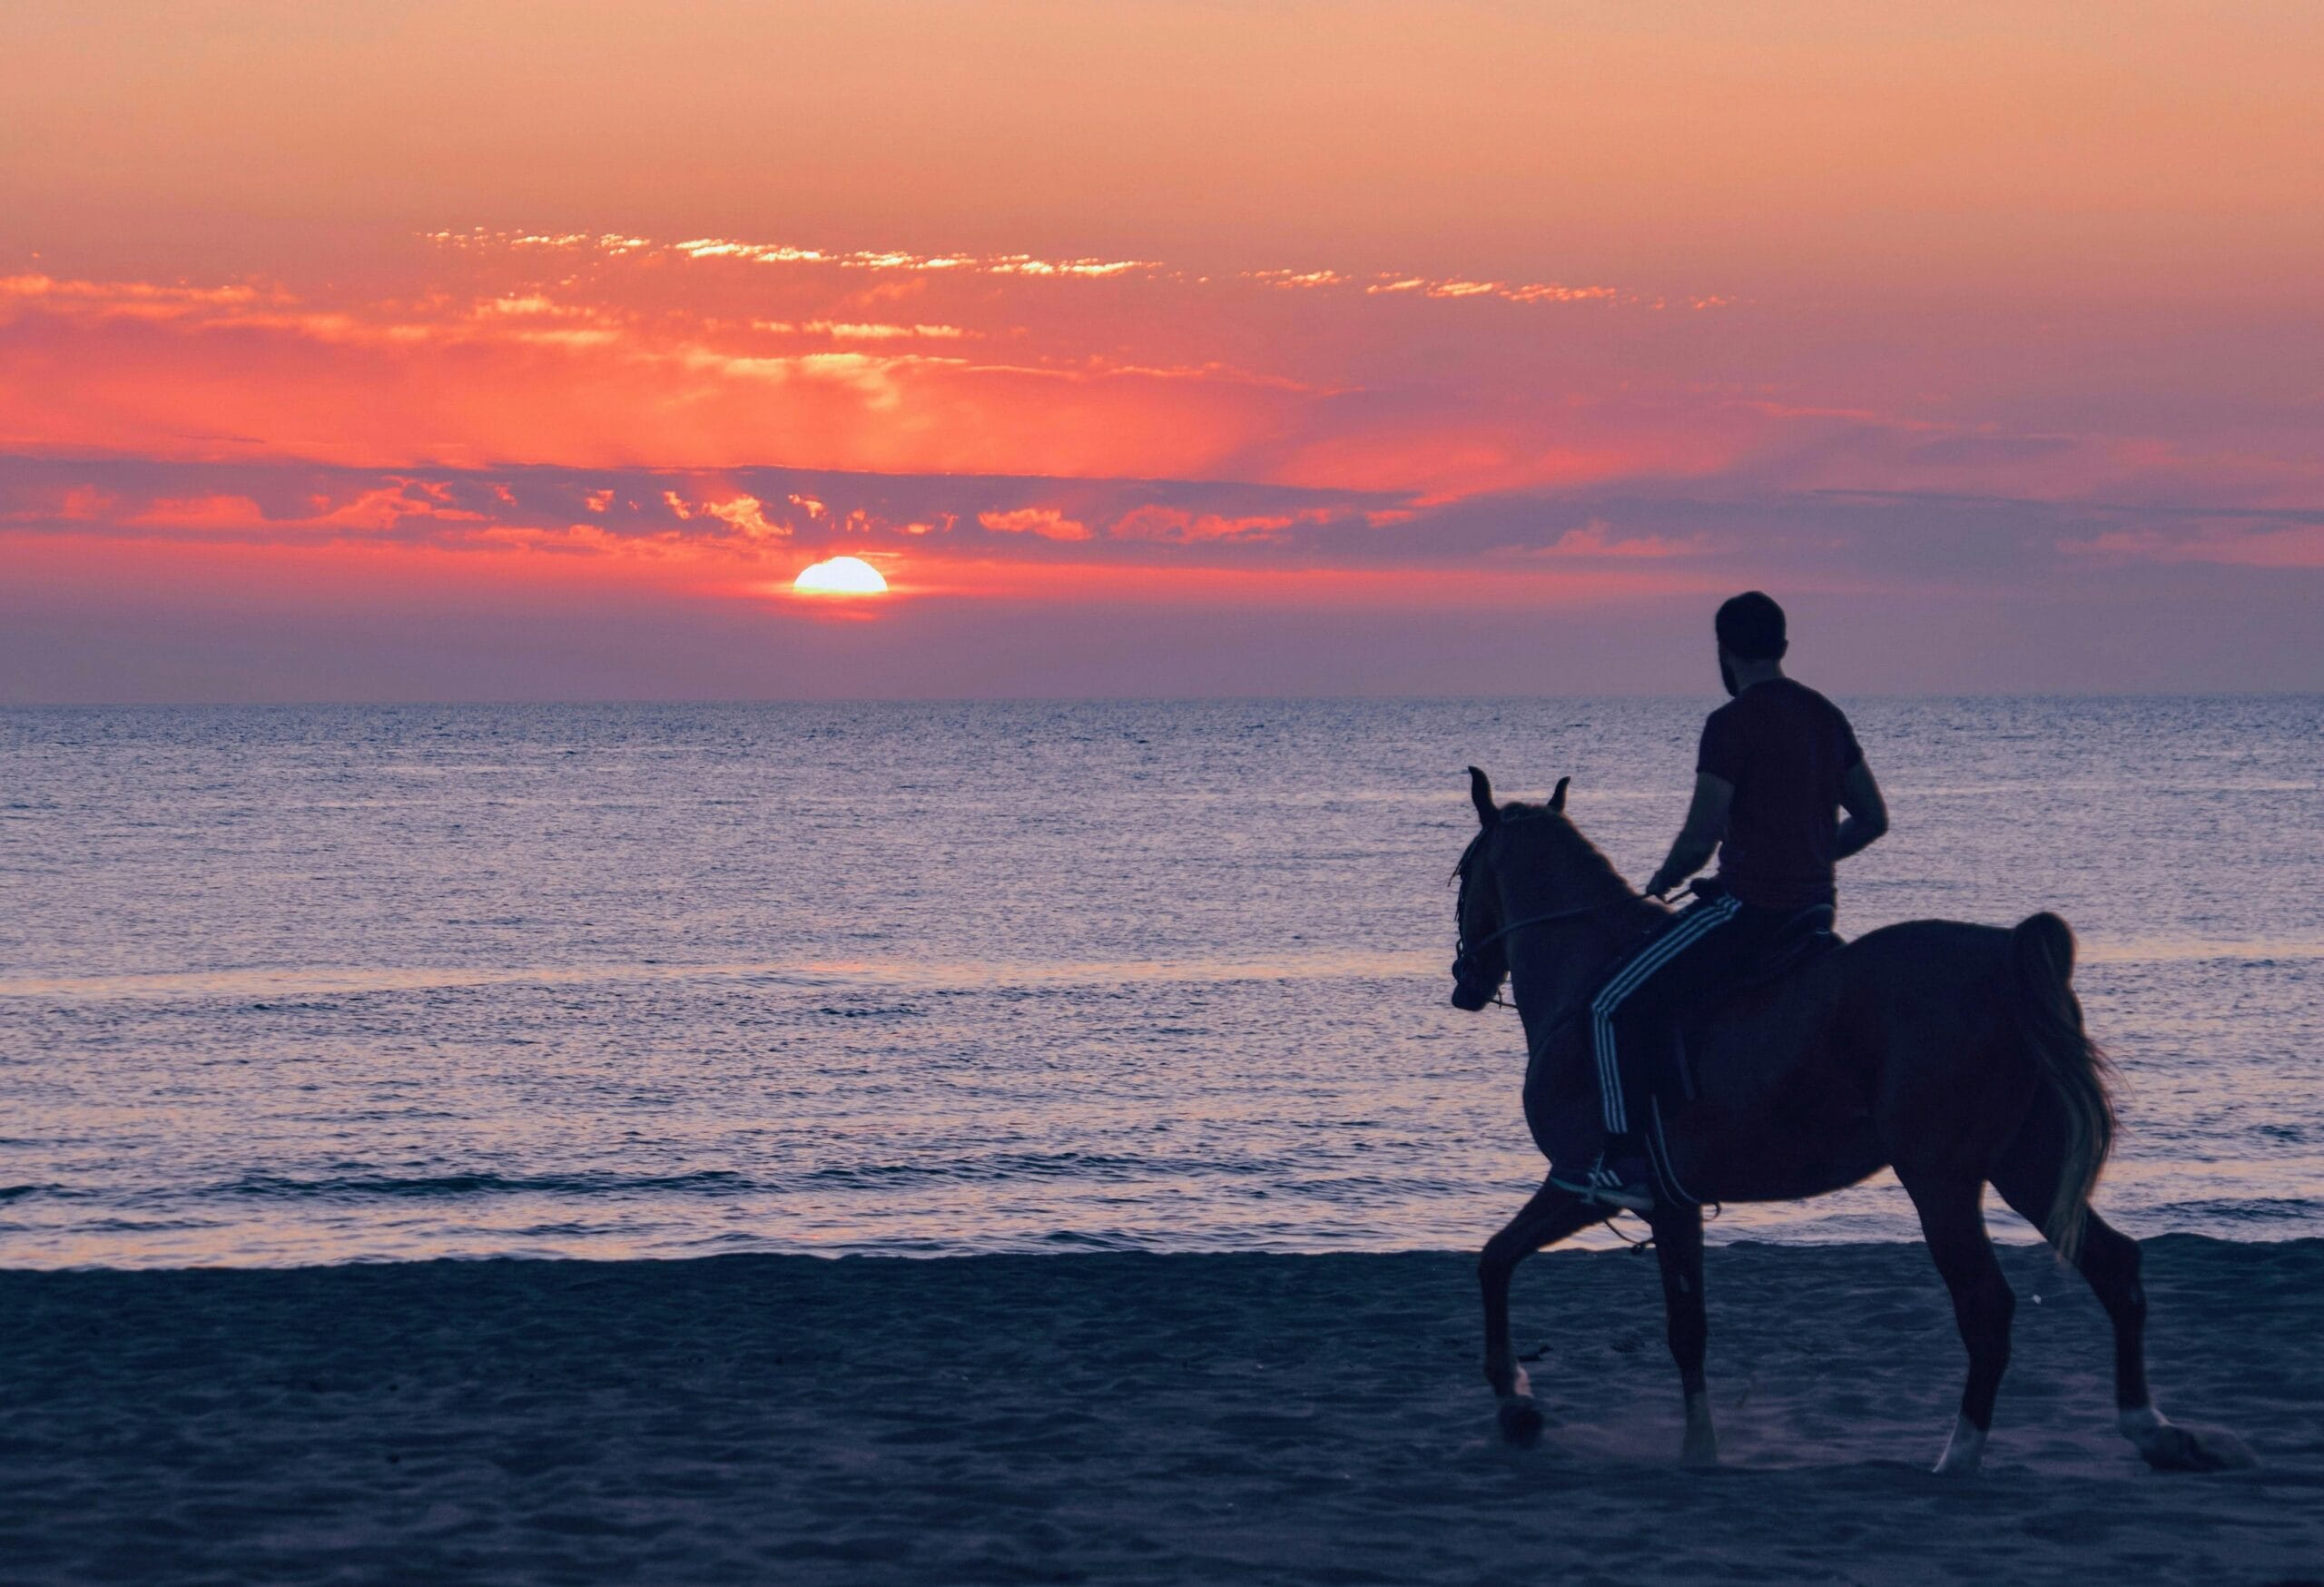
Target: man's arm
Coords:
[(1699, 839), (1867, 812)]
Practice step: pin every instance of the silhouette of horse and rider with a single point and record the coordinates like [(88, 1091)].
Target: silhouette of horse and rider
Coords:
[(1735, 1050)]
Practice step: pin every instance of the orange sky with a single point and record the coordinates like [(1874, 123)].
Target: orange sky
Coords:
[(1485, 342)]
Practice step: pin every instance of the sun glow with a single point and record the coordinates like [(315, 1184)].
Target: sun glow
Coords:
[(841, 576)]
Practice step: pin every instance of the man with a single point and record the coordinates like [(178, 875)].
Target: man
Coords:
[(1777, 764)]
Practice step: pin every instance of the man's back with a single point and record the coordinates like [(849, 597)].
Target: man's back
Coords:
[(1786, 751), (1777, 765)]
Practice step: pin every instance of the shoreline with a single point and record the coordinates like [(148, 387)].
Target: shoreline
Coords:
[(2010, 1236), (1593, 1242), (1127, 1417)]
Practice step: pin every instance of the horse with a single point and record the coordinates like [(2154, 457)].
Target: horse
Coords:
[(1954, 1053)]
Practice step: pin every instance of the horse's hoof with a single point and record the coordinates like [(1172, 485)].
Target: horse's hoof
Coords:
[(2174, 1447), (1522, 1423)]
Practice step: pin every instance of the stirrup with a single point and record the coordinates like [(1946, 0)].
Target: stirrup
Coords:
[(1601, 1185)]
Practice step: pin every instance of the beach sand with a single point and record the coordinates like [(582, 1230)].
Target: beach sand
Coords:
[(1128, 1418)]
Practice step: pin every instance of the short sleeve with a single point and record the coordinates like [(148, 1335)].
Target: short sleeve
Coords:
[(1851, 752), (1720, 753)]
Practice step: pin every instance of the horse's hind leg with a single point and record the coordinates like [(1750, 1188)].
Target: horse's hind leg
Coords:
[(2027, 1178), (1550, 1215), (1679, 1245), (2109, 1262), (1954, 1223)]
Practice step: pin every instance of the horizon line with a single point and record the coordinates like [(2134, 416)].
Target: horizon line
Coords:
[(606, 702)]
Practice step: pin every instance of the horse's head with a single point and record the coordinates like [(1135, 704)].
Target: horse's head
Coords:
[(1526, 866)]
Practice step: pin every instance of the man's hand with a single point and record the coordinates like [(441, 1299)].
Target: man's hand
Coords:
[(1699, 839)]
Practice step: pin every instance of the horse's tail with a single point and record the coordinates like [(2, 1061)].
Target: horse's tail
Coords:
[(2049, 1016)]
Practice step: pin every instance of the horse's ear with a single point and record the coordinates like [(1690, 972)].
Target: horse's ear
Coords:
[(1557, 800), (1481, 794)]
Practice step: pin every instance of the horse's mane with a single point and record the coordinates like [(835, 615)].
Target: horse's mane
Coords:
[(1590, 867)]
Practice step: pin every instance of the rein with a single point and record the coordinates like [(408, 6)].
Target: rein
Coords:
[(1561, 914)]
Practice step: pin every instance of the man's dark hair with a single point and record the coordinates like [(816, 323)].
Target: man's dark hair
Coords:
[(1750, 628)]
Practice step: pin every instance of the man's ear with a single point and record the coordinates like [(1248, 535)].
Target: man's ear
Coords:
[(1557, 800), (1481, 795)]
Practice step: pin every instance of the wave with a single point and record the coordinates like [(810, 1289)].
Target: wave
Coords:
[(270, 989), (993, 1168), (1008, 1166), (709, 1182), (2233, 1211)]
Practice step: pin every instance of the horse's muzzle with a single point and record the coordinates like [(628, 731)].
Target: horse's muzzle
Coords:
[(1471, 990)]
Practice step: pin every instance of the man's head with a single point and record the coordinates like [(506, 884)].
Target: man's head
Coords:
[(1750, 630)]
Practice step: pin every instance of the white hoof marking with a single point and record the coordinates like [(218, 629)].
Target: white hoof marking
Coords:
[(1966, 1453), (1700, 1445), (2143, 1427)]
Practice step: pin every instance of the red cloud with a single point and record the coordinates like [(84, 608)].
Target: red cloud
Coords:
[(1177, 524), (1598, 538), (747, 516), (1045, 521)]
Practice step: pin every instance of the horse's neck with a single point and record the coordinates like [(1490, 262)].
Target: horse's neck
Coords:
[(1552, 969)]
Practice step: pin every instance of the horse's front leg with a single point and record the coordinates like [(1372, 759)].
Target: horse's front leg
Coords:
[(1679, 1245), (1550, 1215)]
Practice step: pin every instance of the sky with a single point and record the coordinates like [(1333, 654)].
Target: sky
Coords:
[(1161, 348)]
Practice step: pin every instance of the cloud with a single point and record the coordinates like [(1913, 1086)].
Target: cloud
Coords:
[(905, 262), (746, 515), (197, 512), (1178, 525), (530, 376), (861, 330), (1045, 521), (1599, 538), (2298, 544), (720, 514), (142, 299), (721, 248)]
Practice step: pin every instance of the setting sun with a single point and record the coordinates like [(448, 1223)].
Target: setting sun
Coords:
[(840, 576)]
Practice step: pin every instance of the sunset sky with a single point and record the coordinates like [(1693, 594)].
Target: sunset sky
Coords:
[(528, 351)]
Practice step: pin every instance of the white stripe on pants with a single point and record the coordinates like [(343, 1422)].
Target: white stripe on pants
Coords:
[(1692, 927)]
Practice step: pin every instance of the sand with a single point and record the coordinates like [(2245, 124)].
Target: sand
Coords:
[(1127, 1418)]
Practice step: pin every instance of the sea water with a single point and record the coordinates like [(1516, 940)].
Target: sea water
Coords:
[(297, 985)]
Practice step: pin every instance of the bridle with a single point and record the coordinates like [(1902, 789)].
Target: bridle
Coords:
[(1466, 973)]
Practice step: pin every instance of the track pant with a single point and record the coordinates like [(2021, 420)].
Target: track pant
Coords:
[(1634, 1017)]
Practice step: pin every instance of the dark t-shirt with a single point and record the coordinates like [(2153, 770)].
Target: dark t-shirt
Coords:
[(1787, 749)]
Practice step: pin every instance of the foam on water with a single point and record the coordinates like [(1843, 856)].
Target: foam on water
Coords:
[(331, 984)]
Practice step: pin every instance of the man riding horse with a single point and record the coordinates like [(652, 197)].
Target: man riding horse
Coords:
[(1777, 764), (1952, 1052)]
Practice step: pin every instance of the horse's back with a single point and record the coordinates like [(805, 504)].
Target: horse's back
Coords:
[(1933, 1007), (1795, 1078), (1932, 953)]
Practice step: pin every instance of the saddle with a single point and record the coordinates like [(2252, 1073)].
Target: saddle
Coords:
[(1803, 940), (1806, 937)]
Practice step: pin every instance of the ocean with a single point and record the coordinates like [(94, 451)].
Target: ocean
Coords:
[(304, 985)]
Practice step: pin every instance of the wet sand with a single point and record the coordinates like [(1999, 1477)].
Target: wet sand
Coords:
[(1128, 1418)]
